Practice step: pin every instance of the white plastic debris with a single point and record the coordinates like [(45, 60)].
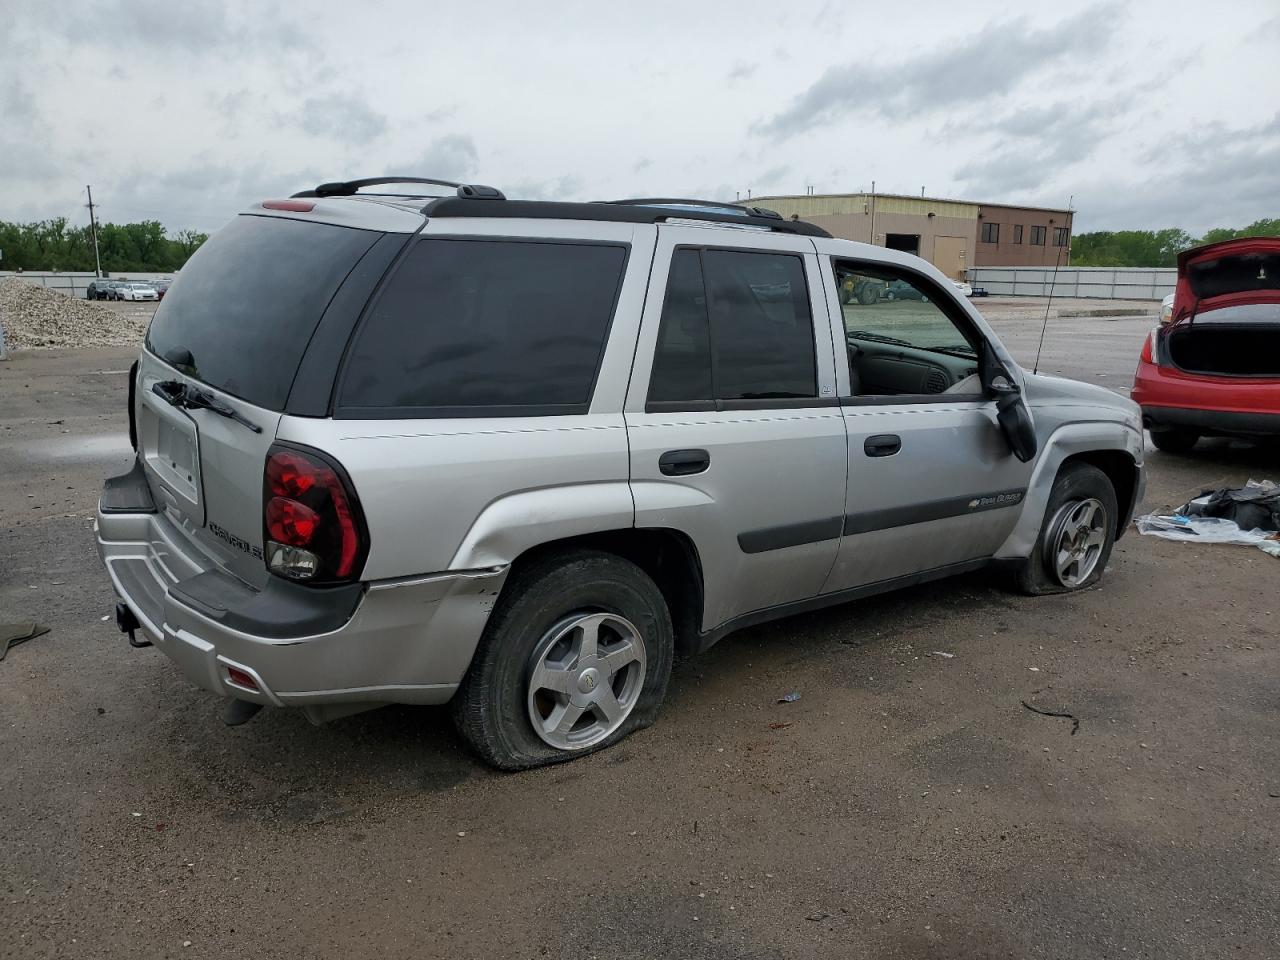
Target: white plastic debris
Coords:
[(1175, 526)]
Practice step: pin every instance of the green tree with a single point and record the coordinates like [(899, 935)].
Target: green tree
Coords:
[(53, 245)]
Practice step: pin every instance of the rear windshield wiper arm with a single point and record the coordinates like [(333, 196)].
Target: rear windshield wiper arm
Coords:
[(186, 397)]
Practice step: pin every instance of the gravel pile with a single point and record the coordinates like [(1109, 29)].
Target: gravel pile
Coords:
[(35, 317)]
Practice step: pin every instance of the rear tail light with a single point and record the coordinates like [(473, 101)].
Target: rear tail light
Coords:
[(314, 529), (1148, 348)]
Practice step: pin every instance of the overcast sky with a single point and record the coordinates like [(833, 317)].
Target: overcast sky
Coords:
[(1149, 114)]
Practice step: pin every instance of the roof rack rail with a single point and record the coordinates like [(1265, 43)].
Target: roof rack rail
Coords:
[(349, 188), (680, 202), (618, 212)]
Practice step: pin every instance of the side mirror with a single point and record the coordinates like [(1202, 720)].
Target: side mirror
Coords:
[(1012, 413), (1016, 424)]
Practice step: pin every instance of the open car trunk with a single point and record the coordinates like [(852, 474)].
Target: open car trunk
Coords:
[(1226, 309), (1227, 350)]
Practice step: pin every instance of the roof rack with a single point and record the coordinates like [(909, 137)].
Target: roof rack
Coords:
[(622, 211), (705, 204), (477, 200), (349, 188)]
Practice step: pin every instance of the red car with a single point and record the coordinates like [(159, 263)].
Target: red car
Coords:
[(1212, 369)]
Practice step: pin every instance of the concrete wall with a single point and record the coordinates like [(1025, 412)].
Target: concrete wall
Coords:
[(75, 284), (1112, 283)]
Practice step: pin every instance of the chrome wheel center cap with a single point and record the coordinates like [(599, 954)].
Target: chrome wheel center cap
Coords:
[(588, 679)]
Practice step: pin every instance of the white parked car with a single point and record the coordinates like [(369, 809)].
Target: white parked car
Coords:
[(963, 286), (137, 291)]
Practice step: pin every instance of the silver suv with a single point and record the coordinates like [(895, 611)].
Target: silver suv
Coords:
[(518, 455)]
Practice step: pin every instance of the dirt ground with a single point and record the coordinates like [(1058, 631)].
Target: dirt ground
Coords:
[(908, 805)]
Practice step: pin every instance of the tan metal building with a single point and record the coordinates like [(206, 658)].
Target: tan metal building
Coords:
[(954, 235)]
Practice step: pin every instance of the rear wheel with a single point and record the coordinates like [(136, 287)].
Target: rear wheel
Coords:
[(1076, 536), (575, 657), (1174, 441), (868, 295)]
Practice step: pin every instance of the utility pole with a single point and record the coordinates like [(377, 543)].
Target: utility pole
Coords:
[(93, 228)]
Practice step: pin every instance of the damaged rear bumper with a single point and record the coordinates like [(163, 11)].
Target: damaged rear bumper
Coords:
[(326, 650)]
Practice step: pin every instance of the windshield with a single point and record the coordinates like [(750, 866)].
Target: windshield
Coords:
[(242, 312)]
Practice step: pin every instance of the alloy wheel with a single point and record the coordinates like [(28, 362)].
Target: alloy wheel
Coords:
[(1076, 539), (585, 678)]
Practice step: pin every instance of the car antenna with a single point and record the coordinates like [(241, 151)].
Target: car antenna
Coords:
[(1045, 325)]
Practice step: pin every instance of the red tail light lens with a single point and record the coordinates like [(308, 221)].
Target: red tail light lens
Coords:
[(1148, 348), (314, 527)]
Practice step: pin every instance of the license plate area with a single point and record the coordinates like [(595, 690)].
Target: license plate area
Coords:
[(171, 449)]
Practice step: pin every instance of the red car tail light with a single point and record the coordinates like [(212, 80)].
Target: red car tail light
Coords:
[(314, 528), (1148, 348)]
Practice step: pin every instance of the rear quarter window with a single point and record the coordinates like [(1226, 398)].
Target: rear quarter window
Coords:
[(246, 304), (485, 328)]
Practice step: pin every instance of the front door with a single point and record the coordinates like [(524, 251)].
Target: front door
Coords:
[(736, 433), (932, 481)]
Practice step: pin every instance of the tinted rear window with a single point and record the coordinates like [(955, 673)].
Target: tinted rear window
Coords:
[(246, 304), (486, 327)]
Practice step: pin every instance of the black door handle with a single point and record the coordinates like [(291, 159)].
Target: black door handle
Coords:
[(683, 463), (882, 445)]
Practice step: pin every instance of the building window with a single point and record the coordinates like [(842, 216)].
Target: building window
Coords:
[(1059, 236), (991, 233), (1037, 236), (1017, 233)]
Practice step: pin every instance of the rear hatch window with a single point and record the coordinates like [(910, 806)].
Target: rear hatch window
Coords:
[(240, 314)]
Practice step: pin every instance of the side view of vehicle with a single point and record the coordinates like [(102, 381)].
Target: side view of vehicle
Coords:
[(442, 446), (98, 290), (1212, 366), (136, 291)]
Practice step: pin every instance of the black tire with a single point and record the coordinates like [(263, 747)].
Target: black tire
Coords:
[(490, 708), (1174, 441), (868, 295), (1075, 482)]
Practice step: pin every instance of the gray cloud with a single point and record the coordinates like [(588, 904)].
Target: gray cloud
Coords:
[(343, 117), (568, 187), (1034, 143), (451, 157), (980, 67), (769, 179), (742, 70), (1242, 187)]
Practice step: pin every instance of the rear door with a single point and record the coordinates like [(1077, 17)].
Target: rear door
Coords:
[(232, 329), (735, 431)]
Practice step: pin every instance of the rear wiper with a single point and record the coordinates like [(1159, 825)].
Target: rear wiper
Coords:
[(186, 397), (877, 337)]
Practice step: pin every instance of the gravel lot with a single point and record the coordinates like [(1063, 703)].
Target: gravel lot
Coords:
[(911, 807)]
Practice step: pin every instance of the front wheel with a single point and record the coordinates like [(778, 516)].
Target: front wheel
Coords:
[(575, 657), (1076, 536), (1174, 441)]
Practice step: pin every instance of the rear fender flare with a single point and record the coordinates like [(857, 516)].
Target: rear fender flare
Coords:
[(513, 524), (1068, 440)]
